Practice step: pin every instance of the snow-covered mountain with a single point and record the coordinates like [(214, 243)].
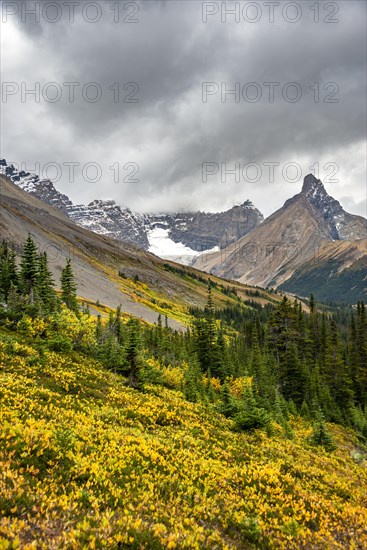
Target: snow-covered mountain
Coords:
[(181, 237)]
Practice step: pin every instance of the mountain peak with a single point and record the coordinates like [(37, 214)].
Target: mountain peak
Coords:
[(328, 208), (312, 185)]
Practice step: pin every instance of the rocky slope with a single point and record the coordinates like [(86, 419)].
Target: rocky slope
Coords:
[(181, 236), (289, 238), (107, 272)]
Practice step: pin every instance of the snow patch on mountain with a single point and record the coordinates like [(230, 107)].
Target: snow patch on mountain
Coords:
[(163, 246)]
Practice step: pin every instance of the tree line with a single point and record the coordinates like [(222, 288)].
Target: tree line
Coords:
[(30, 288)]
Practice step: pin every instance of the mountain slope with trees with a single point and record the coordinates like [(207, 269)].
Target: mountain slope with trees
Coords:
[(248, 430), (311, 362), (337, 273)]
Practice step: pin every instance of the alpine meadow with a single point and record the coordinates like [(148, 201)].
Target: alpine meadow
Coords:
[(183, 275)]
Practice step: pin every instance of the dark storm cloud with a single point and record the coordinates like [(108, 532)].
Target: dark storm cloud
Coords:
[(170, 132)]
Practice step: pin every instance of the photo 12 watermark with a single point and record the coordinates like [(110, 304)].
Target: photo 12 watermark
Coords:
[(71, 172), (269, 92), (126, 12), (266, 171), (270, 12), (69, 92)]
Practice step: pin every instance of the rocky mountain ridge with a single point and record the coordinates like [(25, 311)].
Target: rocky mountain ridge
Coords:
[(287, 239), (194, 232)]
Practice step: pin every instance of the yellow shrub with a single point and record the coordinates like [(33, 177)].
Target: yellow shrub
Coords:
[(152, 362), (31, 327), (78, 329), (23, 350), (173, 377), (238, 385), (215, 382)]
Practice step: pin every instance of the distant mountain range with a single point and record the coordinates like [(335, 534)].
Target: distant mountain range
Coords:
[(311, 244), (109, 273), (181, 237)]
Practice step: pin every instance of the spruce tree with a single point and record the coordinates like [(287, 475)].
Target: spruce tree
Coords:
[(45, 285), (361, 345), (321, 435), (99, 329), (133, 353), (68, 288), (193, 383), (29, 268), (335, 372), (228, 405), (8, 271), (158, 338), (250, 416), (210, 345), (118, 325), (313, 351), (293, 377)]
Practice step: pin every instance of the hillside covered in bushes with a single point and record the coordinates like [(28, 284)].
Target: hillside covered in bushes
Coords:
[(247, 430), (88, 462)]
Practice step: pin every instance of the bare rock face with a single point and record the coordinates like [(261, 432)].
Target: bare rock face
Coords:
[(107, 218), (342, 226), (203, 231), (293, 235)]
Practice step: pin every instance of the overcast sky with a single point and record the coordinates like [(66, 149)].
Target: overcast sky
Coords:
[(164, 122)]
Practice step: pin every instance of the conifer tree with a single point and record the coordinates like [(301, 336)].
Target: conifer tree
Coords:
[(8, 271), (99, 329), (45, 285), (305, 411), (133, 353), (193, 383), (68, 288), (321, 435), (335, 372), (313, 350), (293, 377), (353, 355), (209, 344), (257, 367), (16, 303), (228, 405), (29, 268), (312, 304), (159, 338), (250, 416), (118, 325), (361, 345)]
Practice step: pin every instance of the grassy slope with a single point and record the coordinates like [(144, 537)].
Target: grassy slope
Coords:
[(324, 280), (87, 462)]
